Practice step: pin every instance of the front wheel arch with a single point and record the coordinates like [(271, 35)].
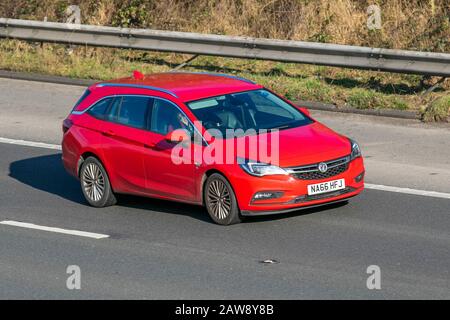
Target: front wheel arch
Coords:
[(205, 177)]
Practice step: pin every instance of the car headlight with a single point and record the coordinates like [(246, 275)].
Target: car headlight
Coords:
[(260, 169), (356, 150)]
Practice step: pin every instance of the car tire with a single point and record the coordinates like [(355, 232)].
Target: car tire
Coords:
[(220, 200), (95, 184)]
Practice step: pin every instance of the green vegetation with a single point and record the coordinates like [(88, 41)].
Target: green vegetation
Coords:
[(366, 99), (438, 110), (369, 99)]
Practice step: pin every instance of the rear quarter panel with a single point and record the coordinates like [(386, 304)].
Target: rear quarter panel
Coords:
[(83, 137)]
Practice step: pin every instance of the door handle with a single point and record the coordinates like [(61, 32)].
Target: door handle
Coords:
[(149, 145), (108, 133)]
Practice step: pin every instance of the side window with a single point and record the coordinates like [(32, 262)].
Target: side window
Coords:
[(100, 108), (166, 118), (133, 111), (113, 110)]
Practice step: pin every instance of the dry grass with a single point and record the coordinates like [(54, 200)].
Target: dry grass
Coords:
[(406, 24)]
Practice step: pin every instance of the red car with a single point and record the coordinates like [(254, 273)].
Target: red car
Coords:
[(122, 135)]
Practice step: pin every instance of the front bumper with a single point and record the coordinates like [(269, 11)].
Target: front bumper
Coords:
[(343, 197), (295, 191)]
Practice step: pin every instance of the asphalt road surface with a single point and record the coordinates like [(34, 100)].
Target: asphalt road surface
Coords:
[(164, 250)]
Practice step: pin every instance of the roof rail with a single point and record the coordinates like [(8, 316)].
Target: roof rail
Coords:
[(217, 75), (138, 86)]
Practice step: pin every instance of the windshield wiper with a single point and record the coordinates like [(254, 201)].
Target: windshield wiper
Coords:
[(280, 127)]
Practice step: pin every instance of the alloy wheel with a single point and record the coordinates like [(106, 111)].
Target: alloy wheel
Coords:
[(219, 199), (93, 182)]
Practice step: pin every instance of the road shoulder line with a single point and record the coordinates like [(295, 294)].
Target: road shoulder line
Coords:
[(416, 192), (30, 143)]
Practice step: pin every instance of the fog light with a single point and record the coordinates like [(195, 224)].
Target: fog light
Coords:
[(265, 195), (359, 177)]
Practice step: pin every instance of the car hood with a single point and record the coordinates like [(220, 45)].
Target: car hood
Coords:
[(297, 146)]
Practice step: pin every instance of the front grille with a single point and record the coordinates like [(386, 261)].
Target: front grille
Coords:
[(311, 171)]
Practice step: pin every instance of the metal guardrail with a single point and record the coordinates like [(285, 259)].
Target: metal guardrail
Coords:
[(401, 61)]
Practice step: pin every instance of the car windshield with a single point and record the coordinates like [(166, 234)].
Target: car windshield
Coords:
[(256, 109)]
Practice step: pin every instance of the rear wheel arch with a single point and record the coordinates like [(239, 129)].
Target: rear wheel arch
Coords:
[(86, 155)]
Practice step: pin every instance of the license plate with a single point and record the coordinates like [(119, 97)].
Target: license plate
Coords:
[(326, 186)]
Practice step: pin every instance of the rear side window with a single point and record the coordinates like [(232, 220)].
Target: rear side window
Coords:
[(100, 108), (84, 96), (134, 111)]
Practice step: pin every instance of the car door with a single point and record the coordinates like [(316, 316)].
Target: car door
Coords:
[(165, 176), (92, 127), (125, 138)]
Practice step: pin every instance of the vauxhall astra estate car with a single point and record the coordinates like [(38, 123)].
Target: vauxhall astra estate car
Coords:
[(121, 138)]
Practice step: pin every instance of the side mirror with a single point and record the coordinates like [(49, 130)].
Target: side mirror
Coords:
[(305, 111), (178, 135)]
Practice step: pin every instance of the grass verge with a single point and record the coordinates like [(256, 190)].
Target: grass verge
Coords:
[(438, 110)]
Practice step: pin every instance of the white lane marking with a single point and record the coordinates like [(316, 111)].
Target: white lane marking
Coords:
[(424, 193), (57, 230), (30, 143)]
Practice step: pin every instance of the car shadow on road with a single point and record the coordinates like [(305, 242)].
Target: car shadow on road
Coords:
[(46, 173), (164, 206)]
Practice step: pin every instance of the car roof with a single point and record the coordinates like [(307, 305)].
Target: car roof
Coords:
[(187, 86)]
